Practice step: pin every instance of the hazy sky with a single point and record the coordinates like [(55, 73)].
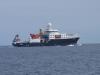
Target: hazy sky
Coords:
[(71, 16)]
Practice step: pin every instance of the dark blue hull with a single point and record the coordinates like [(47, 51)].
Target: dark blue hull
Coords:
[(53, 42)]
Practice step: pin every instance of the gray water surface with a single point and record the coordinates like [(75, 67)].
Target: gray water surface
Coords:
[(57, 60)]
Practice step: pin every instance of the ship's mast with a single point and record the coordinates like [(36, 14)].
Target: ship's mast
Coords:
[(49, 27)]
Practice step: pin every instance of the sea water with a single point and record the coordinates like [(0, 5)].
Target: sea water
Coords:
[(54, 60)]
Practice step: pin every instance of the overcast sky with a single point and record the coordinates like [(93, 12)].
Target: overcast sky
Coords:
[(70, 16)]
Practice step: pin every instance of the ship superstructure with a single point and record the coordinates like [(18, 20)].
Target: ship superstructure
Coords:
[(47, 37)]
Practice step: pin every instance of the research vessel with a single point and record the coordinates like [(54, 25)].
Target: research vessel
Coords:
[(47, 37)]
